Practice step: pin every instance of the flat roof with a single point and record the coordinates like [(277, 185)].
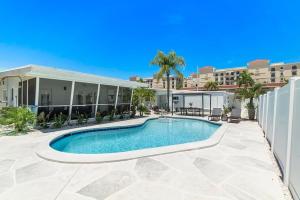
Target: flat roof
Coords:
[(30, 71), (182, 92)]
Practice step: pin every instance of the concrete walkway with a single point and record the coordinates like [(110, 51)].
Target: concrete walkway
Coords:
[(238, 168)]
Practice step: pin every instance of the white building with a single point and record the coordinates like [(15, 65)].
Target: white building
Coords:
[(54, 91)]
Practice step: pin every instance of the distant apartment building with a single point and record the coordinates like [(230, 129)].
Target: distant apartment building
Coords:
[(175, 82), (269, 74)]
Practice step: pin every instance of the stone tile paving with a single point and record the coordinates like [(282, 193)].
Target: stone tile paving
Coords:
[(239, 168)]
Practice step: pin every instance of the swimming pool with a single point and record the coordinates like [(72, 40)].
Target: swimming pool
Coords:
[(153, 133)]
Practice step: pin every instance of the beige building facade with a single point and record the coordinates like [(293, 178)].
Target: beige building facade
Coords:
[(175, 82), (269, 74)]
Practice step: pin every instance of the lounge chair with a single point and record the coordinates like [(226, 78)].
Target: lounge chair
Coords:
[(235, 115), (216, 114)]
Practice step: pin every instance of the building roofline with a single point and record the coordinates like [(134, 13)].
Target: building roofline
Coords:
[(62, 74)]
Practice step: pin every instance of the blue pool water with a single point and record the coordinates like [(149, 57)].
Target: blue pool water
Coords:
[(153, 133)]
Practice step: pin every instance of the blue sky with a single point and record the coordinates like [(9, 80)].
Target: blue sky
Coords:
[(119, 38)]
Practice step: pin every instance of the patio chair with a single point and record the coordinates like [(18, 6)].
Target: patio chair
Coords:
[(216, 114), (235, 115)]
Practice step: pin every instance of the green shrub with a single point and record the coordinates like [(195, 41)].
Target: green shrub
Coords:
[(21, 118), (59, 120), (133, 112), (42, 120), (112, 114), (142, 109), (82, 118), (99, 118)]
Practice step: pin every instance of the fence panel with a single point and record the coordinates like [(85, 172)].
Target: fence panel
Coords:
[(265, 112), (281, 126), (270, 113), (294, 182), (260, 111)]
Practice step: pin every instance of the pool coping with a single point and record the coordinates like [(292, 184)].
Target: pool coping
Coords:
[(46, 152)]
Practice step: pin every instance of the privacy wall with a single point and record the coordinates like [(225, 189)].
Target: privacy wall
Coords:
[(279, 117)]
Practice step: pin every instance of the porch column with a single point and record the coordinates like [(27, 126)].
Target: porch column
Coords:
[(98, 94), (27, 93), (71, 99), (202, 105), (210, 104), (37, 89), (22, 93), (172, 104), (131, 100), (116, 102)]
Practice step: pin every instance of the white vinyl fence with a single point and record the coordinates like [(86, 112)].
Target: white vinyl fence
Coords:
[(279, 117)]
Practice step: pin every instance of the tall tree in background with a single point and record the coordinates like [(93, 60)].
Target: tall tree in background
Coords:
[(169, 65), (211, 86)]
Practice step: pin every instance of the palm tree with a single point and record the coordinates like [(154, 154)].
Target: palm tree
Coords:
[(168, 64), (211, 85), (245, 79), (248, 89), (140, 97)]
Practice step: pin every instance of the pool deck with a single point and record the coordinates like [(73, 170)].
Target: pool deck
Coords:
[(239, 167)]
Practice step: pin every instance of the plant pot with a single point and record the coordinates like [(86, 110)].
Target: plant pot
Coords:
[(251, 113), (224, 117)]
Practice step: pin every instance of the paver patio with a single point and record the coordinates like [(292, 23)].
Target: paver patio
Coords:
[(239, 167)]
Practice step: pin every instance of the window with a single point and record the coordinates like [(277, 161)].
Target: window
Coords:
[(221, 74), (5, 95), (216, 74), (185, 84), (273, 75), (232, 73), (272, 69), (294, 73), (12, 94), (272, 80), (294, 67)]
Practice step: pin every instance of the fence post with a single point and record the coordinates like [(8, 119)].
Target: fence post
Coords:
[(262, 110), (265, 114), (274, 118), (290, 126), (267, 110)]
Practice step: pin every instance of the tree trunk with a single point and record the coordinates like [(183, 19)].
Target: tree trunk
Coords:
[(251, 110), (168, 92)]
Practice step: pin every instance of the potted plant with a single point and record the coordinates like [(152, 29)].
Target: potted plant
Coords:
[(225, 112), (250, 91)]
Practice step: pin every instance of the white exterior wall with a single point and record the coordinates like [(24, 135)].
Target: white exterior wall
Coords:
[(218, 100), (279, 118)]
